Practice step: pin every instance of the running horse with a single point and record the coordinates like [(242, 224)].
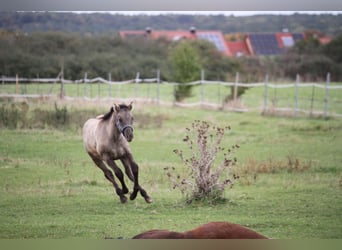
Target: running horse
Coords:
[(105, 139)]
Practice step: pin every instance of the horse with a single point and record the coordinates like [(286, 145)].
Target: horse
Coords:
[(211, 230), (106, 139)]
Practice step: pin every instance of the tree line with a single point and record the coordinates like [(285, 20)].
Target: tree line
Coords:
[(96, 23), (44, 54)]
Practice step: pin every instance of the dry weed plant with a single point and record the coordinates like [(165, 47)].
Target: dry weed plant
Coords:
[(206, 177)]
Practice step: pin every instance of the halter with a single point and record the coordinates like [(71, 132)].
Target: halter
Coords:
[(122, 128)]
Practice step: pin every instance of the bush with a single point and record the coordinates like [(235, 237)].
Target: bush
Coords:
[(57, 118), (204, 179), (185, 65), (13, 115)]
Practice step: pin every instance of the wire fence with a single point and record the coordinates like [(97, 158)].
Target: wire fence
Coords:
[(292, 99)]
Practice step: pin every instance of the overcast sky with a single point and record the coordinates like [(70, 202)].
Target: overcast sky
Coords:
[(174, 5), (228, 13)]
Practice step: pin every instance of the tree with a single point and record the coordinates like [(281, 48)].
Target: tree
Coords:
[(185, 67), (334, 49)]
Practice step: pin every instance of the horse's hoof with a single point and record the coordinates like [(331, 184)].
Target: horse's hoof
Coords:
[(149, 200), (125, 190), (123, 199), (133, 195)]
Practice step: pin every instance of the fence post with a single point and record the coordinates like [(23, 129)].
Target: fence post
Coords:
[(312, 100), (326, 98), (202, 85), (296, 95), (16, 84), (109, 84), (77, 89), (62, 84), (266, 94), (136, 89), (236, 86), (85, 85), (158, 86), (38, 82)]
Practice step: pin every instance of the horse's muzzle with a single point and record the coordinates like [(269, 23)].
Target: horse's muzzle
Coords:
[(128, 133)]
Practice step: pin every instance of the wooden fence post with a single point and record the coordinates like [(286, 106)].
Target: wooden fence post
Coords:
[(296, 96), (16, 84), (266, 93), (158, 86), (85, 85), (136, 89), (236, 86), (62, 84), (202, 85), (326, 98), (109, 84), (77, 89), (312, 99), (98, 89)]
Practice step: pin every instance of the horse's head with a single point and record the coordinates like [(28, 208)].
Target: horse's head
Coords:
[(124, 120)]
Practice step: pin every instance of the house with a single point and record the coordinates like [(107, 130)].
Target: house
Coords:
[(212, 36), (252, 44), (264, 44)]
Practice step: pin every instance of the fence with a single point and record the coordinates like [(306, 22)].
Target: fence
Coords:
[(314, 99)]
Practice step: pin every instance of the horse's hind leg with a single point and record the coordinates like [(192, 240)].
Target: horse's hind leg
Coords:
[(109, 175)]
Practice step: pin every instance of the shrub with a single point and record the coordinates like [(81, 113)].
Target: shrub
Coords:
[(185, 65), (57, 118), (204, 179), (13, 115)]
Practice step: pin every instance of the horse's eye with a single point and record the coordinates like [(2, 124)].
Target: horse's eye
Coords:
[(120, 119)]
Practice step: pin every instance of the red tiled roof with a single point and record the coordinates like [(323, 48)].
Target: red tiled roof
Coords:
[(324, 40), (215, 37), (172, 35), (155, 34), (238, 48), (282, 37)]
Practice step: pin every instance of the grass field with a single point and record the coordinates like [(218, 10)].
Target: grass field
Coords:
[(49, 188)]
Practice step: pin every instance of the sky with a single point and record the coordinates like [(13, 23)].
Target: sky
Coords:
[(174, 5), (227, 13)]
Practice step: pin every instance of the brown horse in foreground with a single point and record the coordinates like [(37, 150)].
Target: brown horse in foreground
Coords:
[(211, 230), (105, 139)]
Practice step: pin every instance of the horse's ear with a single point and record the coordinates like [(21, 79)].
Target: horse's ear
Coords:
[(130, 106), (116, 107)]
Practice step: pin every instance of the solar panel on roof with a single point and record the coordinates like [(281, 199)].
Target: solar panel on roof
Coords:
[(297, 36), (265, 44), (214, 38)]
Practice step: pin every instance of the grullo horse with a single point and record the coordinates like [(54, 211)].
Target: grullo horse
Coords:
[(105, 139)]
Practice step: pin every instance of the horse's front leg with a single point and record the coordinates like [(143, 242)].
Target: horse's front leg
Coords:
[(131, 166), (109, 176), (118, 173)]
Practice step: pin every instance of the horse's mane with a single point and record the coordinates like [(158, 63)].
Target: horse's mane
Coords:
[(110, 112)]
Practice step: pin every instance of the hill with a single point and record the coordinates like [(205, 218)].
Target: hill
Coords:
[(99, 23)]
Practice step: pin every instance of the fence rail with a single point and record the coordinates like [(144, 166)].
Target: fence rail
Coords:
[(323, 99)]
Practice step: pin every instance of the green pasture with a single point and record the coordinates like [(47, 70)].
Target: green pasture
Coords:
[(290, 185), (309, 98)]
